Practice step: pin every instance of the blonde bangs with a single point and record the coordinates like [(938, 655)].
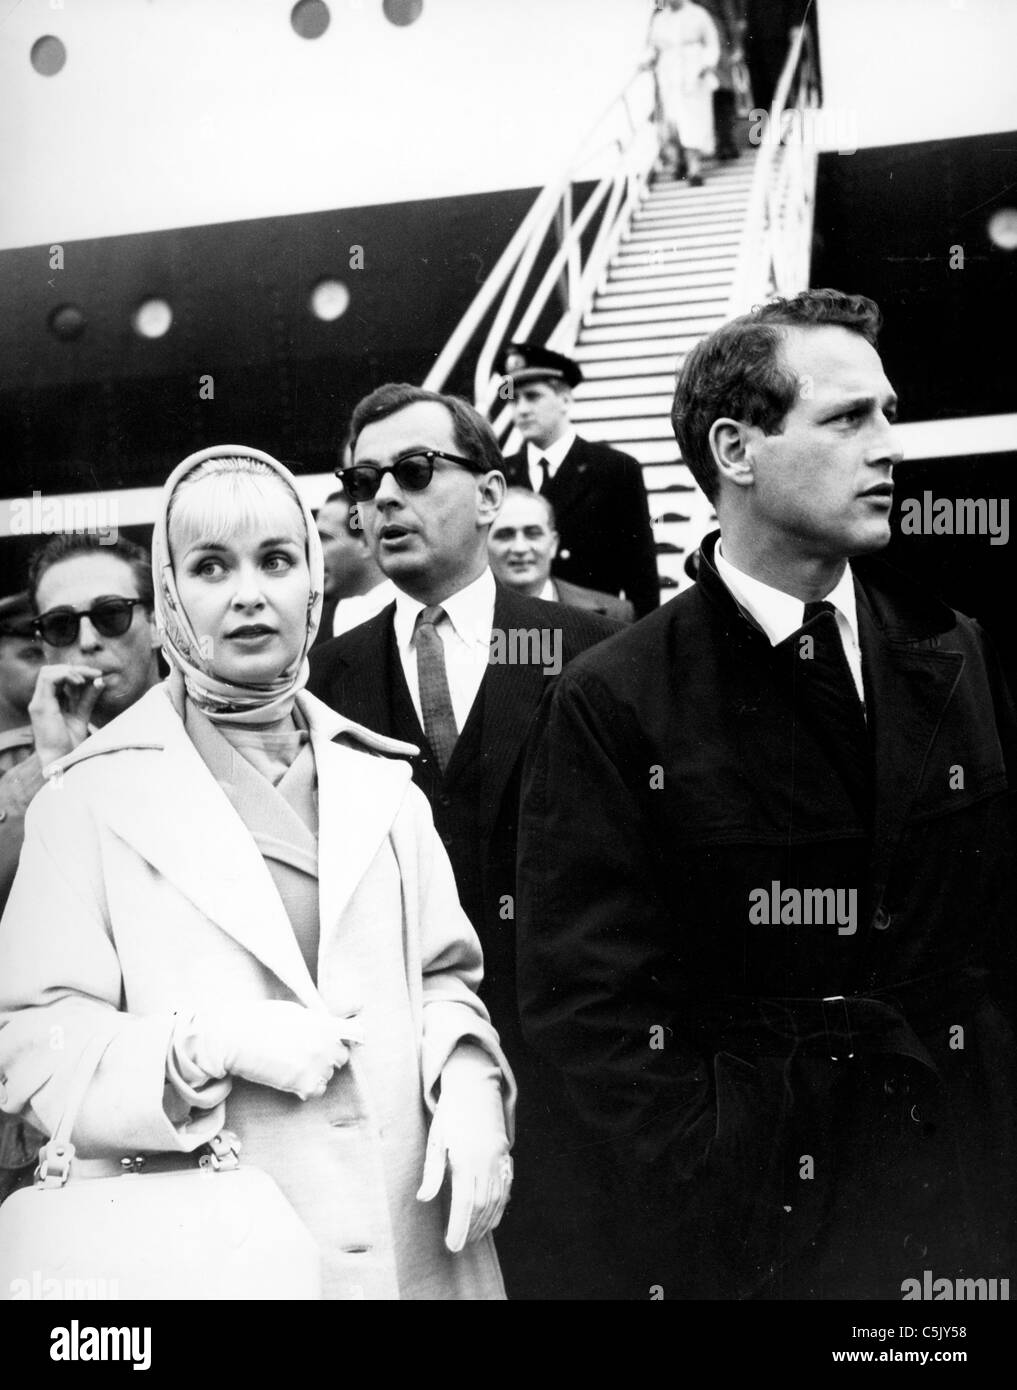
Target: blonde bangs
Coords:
[(224, 496)]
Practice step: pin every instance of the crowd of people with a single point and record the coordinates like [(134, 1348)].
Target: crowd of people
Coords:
[(415, 909)]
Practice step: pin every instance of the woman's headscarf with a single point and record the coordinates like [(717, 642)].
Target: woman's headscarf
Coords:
[(225, 701)]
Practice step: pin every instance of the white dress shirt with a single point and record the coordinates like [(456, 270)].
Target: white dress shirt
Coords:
[(555, 455), (351, 612), (465, 632), (779, 614), (548, 591)]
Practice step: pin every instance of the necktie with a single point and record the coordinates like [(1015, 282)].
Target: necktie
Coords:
[(435, 700), (830, 696), (545, 470), (813, 610)]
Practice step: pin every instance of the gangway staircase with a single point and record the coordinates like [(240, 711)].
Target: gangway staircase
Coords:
[(669, 284), (640, 269)]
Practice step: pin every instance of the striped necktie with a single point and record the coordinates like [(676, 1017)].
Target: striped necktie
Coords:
[(435, 699)]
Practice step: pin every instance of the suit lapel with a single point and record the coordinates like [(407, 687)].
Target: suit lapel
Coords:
[(907, 691), (573, 479), (190, 833), (358, 798), (511, 695), (359, 688)]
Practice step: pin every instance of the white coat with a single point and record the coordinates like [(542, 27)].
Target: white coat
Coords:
[(687, 49), (141, 895)]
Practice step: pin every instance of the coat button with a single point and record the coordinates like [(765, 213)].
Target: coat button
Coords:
[(916, 1114), (881, 920)]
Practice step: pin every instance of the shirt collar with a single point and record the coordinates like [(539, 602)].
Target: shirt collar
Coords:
[(548, 590), (777, 613), (554, 453), (470, 611)]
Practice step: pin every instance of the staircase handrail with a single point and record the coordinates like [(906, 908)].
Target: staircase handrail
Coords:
[(631, 153), (776, 245)]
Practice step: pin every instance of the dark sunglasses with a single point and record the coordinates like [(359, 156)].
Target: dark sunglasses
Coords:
[(111, 617), (412, 473)]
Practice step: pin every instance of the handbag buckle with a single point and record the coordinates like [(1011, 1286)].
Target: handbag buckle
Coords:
[(225, 1153), (54, 1164)]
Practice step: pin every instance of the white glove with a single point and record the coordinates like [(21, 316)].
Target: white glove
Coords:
[(274, 1043), (468, 1136)]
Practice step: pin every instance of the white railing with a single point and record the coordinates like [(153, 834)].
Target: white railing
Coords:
[(626, 138), (777, 241)]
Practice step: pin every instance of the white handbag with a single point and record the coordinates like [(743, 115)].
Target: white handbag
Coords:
[(213, 1231)]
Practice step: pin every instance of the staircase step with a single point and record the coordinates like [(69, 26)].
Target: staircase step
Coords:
[(678, 205), (598, 368), (679, 271), (708, 310), (741, 177), (660, 476), (647, 427), (615, 408), (668, 348), (680, 231), (707, 241), (652, 329), (690, 258), (600, 391), (695, 298), (687, 287), (652, 451)]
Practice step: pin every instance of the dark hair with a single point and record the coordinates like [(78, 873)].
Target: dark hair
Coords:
[(71, 543), (737, 371), (473, 436), (552, 520)]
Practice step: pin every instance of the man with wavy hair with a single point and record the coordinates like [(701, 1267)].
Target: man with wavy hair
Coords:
[(776, 966)]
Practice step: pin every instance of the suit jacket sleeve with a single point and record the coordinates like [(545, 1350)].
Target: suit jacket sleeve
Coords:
[(595, 936), (638, 556)]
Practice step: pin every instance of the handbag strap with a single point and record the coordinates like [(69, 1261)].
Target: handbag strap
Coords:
[(57, 1154)]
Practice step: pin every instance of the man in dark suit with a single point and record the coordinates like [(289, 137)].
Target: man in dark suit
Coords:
[(521, 546), (598, 492), (777, 966), (458, 665)]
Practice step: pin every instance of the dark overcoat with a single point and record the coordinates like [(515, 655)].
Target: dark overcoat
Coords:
[(796, 1109), (606, 541)]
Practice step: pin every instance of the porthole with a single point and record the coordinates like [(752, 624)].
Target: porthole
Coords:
[(48, 55), (403, 12), (329, 300), (152, 318), (1003, 229), (310, 18), (67, 322)]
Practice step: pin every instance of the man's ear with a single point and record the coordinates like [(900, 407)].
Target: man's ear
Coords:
[(731, 444), (555, 538), (490, 495)]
